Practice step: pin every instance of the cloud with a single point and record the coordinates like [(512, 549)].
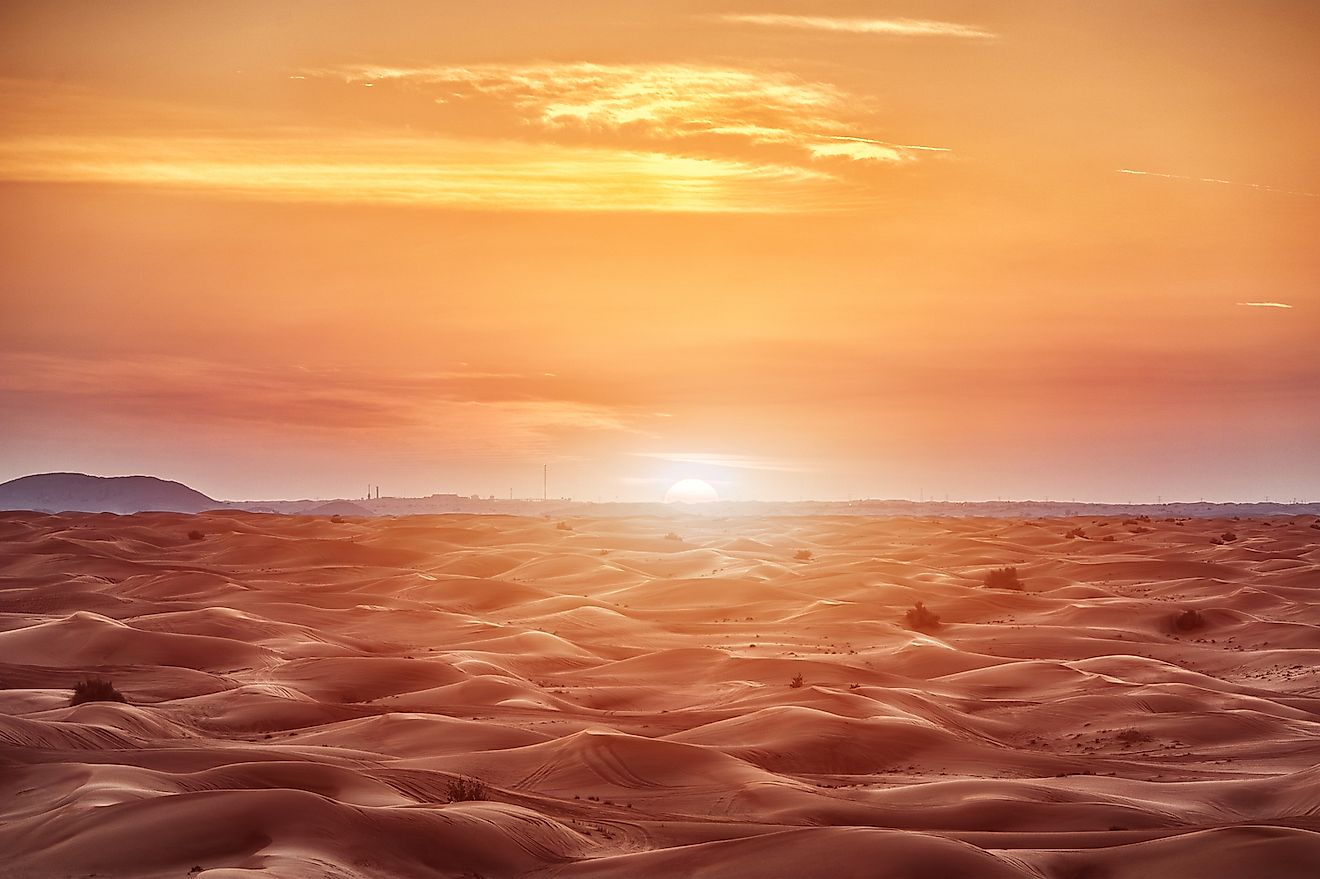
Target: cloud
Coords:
[(737, 462), (330, 166), (552, 137), (455, 406), (670, 105), (1265, 304), (894, 27), (862, 149), (1215, 180)]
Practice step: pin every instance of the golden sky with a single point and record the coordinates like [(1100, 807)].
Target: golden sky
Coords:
[(830, 249)]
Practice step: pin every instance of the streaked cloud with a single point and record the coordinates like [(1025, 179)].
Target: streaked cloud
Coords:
[(672, 106), (573, 137), (864, 149), (894, 27), (443, 172), (737, 462), (504, 411), (1218, 181), (1265, 304)]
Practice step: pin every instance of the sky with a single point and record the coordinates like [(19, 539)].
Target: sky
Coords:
[(831, 250)]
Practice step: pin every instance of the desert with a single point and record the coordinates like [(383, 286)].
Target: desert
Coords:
[(672, 695)]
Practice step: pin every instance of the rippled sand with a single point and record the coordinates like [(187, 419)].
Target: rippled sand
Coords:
[(302, 695)]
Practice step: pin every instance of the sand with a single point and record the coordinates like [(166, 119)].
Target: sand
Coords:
[(303, 694)]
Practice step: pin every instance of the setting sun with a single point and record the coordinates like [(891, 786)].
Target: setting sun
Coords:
[(691, 491)]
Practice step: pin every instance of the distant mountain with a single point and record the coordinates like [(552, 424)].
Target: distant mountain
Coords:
[(338, 508), (61, 492)]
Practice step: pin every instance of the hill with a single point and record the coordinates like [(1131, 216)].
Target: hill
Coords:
[(61, 492), (339, 508)]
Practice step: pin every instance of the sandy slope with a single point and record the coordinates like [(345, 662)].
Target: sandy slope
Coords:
[(302, 693)]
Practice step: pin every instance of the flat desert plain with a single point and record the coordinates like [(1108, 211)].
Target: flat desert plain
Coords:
[(683, 696)]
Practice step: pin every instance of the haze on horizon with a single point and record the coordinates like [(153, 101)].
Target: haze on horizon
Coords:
[(828, 250)]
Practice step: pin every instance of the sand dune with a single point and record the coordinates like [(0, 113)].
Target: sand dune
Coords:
[(307, 697)]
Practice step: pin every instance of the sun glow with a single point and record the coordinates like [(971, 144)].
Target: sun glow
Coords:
[(691, 491)]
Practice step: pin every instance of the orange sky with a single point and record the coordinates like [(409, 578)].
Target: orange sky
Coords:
[(832, 250)]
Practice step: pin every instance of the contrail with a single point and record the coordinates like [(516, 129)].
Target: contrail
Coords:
[(1262, 187)]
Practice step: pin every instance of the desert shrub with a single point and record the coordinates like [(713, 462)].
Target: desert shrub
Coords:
[(921, 619), (672, 536), (1216, 541), (1316, 525), (1109, 538), (1003, 578), (1228, 537), (1189, 620), (95, 689), (1075, 532), (195, 535), (803, 555), (798, 682), (337, 519), (466, 789), (563, 526)]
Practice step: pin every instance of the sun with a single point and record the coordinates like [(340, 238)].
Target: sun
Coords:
[(691, 491)]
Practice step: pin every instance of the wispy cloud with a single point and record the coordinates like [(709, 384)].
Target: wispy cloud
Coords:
[(671, 106), (1218, 181), (737, 462), (503, 410), (553, 137), (1265, 304), (863, 148), (415, 170), (894, 27)]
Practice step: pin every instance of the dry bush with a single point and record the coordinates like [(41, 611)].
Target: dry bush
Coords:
[(95, 689), (672, 536), (921, 619), (798, 682), (1003, 578), (1189, 620), (803, 555), (196, 535), (1228, 537), (563, 526), (1075, 532), (466, 789)]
